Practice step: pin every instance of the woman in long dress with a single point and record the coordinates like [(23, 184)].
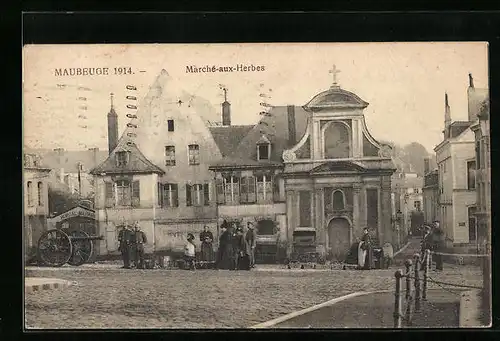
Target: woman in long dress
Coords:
[(206, 239), (364, 251)]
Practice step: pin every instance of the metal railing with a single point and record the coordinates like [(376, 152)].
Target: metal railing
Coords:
[(416, 287)]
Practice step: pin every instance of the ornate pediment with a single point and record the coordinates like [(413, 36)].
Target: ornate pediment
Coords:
[(339, 166)]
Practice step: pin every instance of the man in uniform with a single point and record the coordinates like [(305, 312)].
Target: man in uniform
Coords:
[(138, 241), (124, 237), (251, 240)]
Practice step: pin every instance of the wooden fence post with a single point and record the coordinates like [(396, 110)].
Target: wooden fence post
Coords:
[(408, 265), (426, 270), (398, 299), (418, 263)]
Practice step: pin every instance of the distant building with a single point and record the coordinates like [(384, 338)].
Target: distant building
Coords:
[(408, 197), (456, 159), (310, 177), (70, 169), (430, 193), (36, 202)]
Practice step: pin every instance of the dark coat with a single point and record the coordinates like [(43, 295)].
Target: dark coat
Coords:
[(206, 235), (239, 243)]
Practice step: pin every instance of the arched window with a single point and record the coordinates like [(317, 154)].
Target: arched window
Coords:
[(337, 141), (40, 194), (338, 200), (29, 193)]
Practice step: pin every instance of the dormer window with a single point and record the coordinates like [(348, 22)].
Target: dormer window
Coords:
[(263, 149), (121, 158)]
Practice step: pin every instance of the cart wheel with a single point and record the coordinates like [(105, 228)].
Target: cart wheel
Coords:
[(54, 248), (82, 248)]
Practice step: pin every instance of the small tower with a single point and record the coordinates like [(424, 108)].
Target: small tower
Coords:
[(112, 127), (447, 116), (226, 110)]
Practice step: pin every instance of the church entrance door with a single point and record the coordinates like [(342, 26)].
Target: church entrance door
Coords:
[(338, 238)]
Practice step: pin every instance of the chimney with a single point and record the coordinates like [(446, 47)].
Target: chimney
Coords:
[(471, 81), (292, 134), (226, 110), (426, 165), (447, 116), (112, 128)]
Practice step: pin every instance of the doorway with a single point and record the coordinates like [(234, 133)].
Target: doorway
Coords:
[(338, 238)]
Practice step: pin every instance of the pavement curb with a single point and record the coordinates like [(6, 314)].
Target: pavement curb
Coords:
[(44, 284), (331, 302), (401, 250), (470, 306)]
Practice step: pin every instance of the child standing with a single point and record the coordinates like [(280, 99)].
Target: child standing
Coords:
[(189, 252)]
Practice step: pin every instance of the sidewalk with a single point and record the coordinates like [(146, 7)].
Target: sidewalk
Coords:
[(441, 310), (32, 284)]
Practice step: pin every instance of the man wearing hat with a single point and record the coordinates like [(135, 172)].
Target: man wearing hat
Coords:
[(138, 241), (124, 237), (251, 243), (239, 247)]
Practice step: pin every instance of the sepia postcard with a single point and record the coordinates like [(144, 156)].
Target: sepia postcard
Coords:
[(256, 186)]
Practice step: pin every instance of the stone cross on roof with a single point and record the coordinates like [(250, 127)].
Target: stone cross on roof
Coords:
[(334, 71)]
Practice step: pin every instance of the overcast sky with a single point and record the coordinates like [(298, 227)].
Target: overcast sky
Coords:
[(403, 82)]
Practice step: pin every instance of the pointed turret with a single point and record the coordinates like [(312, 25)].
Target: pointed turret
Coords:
[(112, 127)]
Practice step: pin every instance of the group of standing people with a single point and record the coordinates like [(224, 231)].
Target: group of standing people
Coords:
[(132, 240), (236, 248), (434, 239), (207, 251)]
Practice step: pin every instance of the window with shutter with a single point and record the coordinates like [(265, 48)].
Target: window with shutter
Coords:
[(206, 194), (110, 194), (247, 190), (170, 197), (188, 195), (136, 196), (30, 193), (219, 189), (40, 194), (197, 196), (264, 189), (232, 190), (160, 194), (175, 195)]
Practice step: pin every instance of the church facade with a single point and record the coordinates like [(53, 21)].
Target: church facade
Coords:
[(314, 173)]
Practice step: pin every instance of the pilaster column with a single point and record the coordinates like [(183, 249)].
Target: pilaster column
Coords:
[(290, 219), (388, 234), (320, 217), (356, 218)]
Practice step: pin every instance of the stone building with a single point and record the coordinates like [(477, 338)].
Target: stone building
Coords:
[(481, 130), (158, 172), (36, 201), (456, 160), (313, 174), (70, 169)]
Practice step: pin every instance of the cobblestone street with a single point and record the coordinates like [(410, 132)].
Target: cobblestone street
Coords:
[(119, 298)]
